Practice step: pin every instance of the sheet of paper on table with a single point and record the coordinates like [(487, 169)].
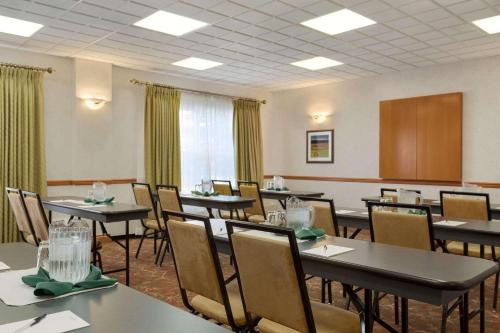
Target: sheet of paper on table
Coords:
[(59, 322), (450, 223), (344, 211), (14, 292), (3, 266), (78, 202), (328, 251)]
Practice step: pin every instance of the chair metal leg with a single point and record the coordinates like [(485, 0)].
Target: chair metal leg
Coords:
[(99, 259), (396, 310), (330, 297), (158, 254), (404, 315), (167, 244), (323, 291), (495, 292), (444, 318), (140, 244), (155, 236)]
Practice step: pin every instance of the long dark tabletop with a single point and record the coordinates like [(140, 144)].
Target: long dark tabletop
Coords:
[(431, 277), (282, 195), (473, 231), (113, 212), (115, 310), (435, 205)]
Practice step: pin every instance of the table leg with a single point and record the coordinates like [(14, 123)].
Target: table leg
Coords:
[(210, 213), (465, 318), (94, 243), (368, 311), (481, 307), (404, 315), (127, 254), (283, 204)]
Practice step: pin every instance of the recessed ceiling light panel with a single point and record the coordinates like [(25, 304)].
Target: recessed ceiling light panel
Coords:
[(197, 63), (490, 24), (170, 23), (18, 27), (316, 63), (338, 22)]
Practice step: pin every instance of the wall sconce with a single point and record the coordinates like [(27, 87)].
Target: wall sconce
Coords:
[(320, 117), (94, 103)]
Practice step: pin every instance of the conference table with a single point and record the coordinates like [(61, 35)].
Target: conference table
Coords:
[(472, 231), (281, 196), (221, 202), (435, 205), (104, 213), (118, 309), (430, 277)]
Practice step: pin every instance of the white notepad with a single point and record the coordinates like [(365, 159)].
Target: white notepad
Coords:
[(271, 235), (329, 251), (218, 226), (3, 266), (14, 292), (59, 322), (91, 206), (436, 201), (344, 211), (450, 223), (364, 213), (78, 202), (436, 214)]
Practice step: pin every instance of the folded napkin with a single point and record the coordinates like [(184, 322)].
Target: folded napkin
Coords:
[(205, 194), (95, 202), (311, 233), (45, 286)]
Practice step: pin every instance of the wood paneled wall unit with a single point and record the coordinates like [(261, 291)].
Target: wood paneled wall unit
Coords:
[(421, 138)]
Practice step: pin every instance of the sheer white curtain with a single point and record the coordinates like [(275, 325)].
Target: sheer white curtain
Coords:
[(206, 128)]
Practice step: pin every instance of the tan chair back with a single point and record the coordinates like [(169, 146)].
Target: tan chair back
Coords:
[(142, 194), (465, 207), (37, 216), (222, 188), (401, 229), (252, 191), (169, 200), (269, 280), (21, 214), (322, 218), (193, 260)]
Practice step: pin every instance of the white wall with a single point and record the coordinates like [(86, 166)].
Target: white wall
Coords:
[(103, 144), (355, 119)]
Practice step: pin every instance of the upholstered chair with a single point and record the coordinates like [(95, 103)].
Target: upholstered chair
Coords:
[(20, 212), (256, 213)]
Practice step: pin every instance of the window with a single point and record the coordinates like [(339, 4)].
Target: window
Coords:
[(206, 130)]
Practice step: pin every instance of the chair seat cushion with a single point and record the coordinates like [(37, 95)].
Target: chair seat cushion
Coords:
[(226, 215), (327, 319), (216, 311), (153, 224), (256, 218), (474, 250)]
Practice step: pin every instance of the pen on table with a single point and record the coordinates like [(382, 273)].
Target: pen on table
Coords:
[(31, 324), (325, 248)]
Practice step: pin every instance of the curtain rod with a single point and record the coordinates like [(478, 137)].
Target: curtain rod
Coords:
[(144, 83), (49, 70)]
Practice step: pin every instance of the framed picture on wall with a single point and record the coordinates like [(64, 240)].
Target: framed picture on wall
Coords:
[(319, 146)]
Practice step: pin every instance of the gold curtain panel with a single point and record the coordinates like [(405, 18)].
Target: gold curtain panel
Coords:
[(248, 141), (162, 136), (22, 139)]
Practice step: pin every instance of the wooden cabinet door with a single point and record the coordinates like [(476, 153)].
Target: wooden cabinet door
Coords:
[(397, 146), (439, 137)]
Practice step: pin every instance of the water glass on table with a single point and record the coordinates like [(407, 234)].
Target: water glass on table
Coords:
[(42, 260)]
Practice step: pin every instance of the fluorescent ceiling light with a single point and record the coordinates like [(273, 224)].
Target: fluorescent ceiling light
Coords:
[(490, 24), (316, 63), (14, 26), (170, 23), (338, 22), (197, 63)]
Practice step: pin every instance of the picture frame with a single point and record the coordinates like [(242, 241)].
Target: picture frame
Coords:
[(319, 146)]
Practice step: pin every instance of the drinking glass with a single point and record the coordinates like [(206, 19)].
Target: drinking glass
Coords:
[(206, 185), (42, 259)]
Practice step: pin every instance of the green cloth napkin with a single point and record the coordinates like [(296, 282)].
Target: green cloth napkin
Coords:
[(205, 194), (105, 201), (310, 234), (45, 286)]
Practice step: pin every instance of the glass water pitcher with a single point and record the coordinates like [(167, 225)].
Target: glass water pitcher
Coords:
[(69, 251)]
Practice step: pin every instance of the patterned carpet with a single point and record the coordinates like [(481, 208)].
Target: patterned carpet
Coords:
[(161, 283)]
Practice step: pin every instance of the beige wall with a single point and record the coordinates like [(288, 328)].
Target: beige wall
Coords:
[(355, 119)]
